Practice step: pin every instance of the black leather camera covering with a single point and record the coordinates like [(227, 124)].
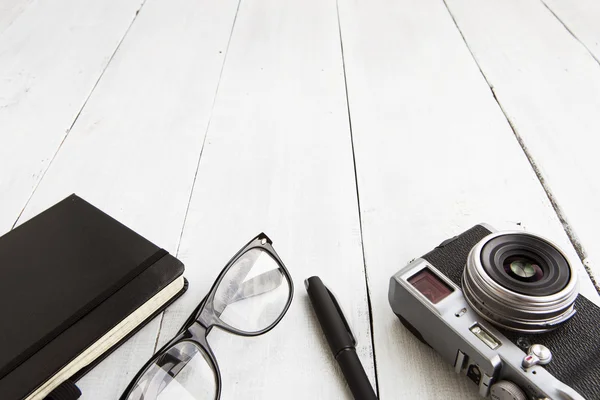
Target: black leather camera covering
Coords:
[(575, 345)]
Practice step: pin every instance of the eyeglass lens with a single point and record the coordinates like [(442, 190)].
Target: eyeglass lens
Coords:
[(184, 373), (253, 292), (250, 298)]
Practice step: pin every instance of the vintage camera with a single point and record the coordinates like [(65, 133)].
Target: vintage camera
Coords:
[(504, 309)]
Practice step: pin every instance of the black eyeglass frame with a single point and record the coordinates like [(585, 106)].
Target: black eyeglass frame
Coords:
[(201, 321)]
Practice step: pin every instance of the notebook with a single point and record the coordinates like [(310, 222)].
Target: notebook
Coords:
[(74, 284)]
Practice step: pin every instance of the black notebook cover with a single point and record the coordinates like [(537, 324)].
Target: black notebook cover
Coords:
[(67, 277)]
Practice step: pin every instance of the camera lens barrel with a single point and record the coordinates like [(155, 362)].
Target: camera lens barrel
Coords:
[(520, 281)]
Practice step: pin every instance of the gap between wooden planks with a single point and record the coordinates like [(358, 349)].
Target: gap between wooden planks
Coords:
[(134, 149), (278, 159), (434, 156), (548, 85), (51, 56), (580, 18)]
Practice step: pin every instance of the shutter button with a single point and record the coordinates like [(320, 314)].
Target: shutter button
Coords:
[(537, 354)]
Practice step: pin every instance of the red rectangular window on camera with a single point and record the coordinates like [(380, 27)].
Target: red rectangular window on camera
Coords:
[(430, 285)]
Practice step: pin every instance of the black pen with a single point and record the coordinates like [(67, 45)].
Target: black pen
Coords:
[(340, 338)]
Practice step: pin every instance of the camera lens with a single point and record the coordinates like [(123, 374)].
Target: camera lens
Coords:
[(520, 281), (523, 269), (525, 264)]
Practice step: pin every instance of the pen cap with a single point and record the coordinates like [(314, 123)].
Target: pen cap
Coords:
[(329, 314)]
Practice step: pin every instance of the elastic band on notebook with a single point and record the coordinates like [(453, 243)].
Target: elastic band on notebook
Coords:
[(13, 364)]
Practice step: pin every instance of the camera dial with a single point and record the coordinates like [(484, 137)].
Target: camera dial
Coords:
[(506, 390), (520, 281)]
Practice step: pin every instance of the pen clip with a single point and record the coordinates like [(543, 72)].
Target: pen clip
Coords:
[(342, 315)]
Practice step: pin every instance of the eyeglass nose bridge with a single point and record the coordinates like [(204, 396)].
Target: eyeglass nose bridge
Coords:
[(198, 332)]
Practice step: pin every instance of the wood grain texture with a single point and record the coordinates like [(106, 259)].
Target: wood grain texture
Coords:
[(549, 87), (134, 149), (278, 159), (434, 155), (273, 152), (11, 10), (51, 56), (582, 19)]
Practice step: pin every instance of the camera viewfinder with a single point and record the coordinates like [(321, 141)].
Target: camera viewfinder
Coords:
[(430, 285)]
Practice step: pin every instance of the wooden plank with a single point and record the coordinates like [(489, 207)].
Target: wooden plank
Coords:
[(51, 56), (549, 87), (135, 147), (278, 159), (10, 10), (434, 156), (582, 19)]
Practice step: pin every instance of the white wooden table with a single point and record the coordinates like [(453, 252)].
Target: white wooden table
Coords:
[(357, 134)]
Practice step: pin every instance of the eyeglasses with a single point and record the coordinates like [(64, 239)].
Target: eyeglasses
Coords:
[(249, 297)]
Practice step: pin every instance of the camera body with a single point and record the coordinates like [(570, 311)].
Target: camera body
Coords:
[(522, 332)]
